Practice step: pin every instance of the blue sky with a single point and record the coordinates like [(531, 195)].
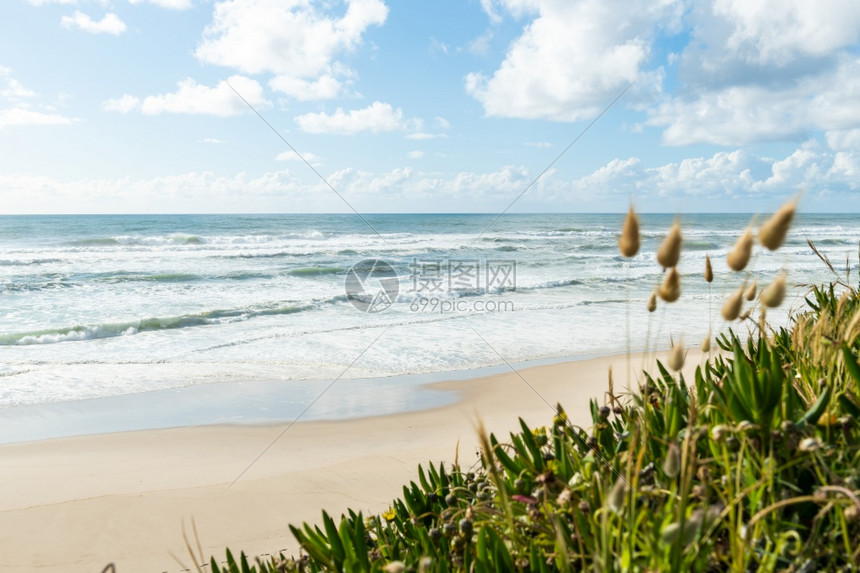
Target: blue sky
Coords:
[(123, 106)]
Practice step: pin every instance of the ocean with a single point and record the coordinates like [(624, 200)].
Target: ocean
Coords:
[(100, 308)]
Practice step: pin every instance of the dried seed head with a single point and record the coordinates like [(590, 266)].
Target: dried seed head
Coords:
[(774, 293), (709, 272), (615, 499), (810, 444), (652, 302), (670, 251), (628, 242), (745, 314), (720, 431), (676, 357), (750, 294), (394, 567), (706, 343), (773, 231), (670, 290), (733, 304), (739, 256), (672, 463)]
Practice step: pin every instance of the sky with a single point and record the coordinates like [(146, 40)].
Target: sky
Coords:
[(192, 106)]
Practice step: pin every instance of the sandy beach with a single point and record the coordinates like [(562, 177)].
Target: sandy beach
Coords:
[(79, 503)]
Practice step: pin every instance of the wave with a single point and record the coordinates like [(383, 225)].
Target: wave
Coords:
[(316, 271), (27, 262), (114, 329), (171, 239)]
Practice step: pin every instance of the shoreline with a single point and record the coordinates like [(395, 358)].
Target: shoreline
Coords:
[(79, 503), (245, 403)]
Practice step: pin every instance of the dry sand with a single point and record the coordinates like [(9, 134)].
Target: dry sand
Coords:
[(77, 504)]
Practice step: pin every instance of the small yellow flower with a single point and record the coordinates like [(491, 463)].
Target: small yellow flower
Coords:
[(390, 514)]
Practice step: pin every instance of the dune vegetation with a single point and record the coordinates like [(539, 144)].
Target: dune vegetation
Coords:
[(752, 465)]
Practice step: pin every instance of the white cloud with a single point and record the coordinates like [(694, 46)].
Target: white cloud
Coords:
[(194, 98), (194, 192), (323, 87), (375, 118), (13, 90), (844, 139), (415, 154), (741, 114), (123, 104), (419, 135), (538, 144), (293, 39), (109, 24), (573, 58), (213, 140), (735, 180), (778, 32), (763, 71), (23, 116), (171, 4), (290, 155), (43, 2)]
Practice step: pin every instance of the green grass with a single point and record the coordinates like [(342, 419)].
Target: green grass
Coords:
[(752, 466)]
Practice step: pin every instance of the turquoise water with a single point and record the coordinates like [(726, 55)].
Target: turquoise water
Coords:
[(107, 306)]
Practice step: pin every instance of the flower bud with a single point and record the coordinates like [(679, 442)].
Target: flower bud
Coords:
[(670, 251), (670, 290), (628, 242), (772, 233), (739, 256)]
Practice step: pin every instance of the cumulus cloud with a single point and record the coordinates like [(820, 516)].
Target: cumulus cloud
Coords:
[(123, 104), (573, 58), (764, 71), (194, 98), (375, 118), (109, 24), (294, 39), (43, 2), (171, 4)]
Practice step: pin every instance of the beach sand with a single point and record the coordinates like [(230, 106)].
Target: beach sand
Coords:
[(79, 503)]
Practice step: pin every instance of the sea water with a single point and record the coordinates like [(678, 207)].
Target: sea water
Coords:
[(110, 306)]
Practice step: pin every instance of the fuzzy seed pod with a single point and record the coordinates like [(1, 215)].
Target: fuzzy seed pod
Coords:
[(395, 567), (709, 272), (733, 304), (739, 256), (750, 294), (720, 431), (615, 499), (670, 290), (772, 233), (745, 314), (676, 357), (672, 463), (706, 343), (652, 302), (670, 251), (774, 293), (628, 242)]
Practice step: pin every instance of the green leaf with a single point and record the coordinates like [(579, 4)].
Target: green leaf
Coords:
[(851, 363)]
